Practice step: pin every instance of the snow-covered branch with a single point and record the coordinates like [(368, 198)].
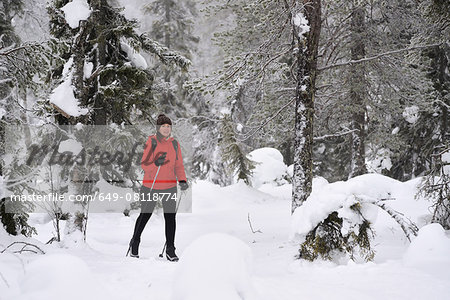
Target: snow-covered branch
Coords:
[(407, 228), (164, 54), (327, 136), (25, 244), (366, 59), (10, 51)]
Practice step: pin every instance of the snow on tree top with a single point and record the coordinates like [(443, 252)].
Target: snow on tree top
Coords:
[(76, 11)]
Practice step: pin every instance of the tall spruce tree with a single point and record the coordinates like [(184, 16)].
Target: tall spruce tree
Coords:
[(432, 126), (17, 68), (427, 133), (283, 42), (374, 91), (172, 26), (255, 85), (109, 80)]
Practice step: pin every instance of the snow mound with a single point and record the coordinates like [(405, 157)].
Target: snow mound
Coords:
[(53, 276), (215, 266), (270, 167), (340, 196), (76, 11), (430, 245)]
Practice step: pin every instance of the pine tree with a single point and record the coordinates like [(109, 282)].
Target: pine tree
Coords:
[(358, 90), (15, 74), (104, 73), (431, 128), (172, 26), (237, 161), (279, 38), (255, 85), (385, 86)]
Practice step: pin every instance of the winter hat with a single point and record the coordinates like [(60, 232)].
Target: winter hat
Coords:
[(163, 119)]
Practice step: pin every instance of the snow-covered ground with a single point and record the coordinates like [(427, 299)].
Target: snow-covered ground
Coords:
[(221, 258)]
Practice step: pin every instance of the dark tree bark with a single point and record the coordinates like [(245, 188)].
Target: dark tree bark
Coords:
[(100, 114), (357, 92), (307, 48)]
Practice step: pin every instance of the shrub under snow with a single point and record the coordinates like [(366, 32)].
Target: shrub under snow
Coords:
[(337, 218)]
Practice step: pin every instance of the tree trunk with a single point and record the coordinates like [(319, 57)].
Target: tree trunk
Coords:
[(357, 92), (167, 97), (79, 56), (100, 117), (307, 45), (443, 63)]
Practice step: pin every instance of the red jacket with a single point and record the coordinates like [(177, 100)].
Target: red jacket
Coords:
[(170, 171)]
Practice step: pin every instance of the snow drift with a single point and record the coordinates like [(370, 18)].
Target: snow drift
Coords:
[(214, 266)]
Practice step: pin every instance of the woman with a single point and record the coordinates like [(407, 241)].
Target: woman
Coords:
[(163, 165)]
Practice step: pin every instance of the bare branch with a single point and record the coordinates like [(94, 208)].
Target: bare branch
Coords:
[(4, 279), (268, 120), (23, 248), (251, 227), (407, 228), (327, 136), (366, 59), (6, 53)]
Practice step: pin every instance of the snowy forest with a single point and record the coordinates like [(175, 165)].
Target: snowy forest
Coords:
[(313, 135)]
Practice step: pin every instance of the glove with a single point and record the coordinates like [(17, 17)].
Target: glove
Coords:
[(161, 159), (183, 185)]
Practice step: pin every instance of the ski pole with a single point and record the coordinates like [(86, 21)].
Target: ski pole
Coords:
[(139, 223), (176, 210)]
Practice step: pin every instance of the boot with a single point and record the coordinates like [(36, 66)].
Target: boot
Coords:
[(170, 253), (134, 248)]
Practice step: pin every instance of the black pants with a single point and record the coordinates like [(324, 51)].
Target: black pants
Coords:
[(148, 202)]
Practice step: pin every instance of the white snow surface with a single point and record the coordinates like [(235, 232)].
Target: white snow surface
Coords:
[(226, 275), (63, 95), (365, 189), (216, 243), (301, 22), (70, 145), (430, 248), (87, 69), (136, 59), (411, 114), (76, 11), (63, 272), (269, 168)]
